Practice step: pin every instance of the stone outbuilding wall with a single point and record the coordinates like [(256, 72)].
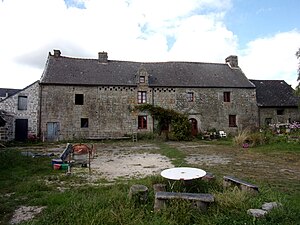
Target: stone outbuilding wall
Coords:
[(278, 115), (22, 106)]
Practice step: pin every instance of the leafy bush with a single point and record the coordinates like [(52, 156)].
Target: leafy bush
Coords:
[(169, 118)]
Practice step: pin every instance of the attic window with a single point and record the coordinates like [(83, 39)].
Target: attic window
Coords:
[(142, 79), (190, 96)]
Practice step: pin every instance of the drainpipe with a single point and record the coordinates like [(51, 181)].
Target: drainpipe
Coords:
[(153, 105), (40, 111), (259, 123)]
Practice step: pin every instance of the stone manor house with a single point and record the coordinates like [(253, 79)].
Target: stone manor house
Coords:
[(79, 98)]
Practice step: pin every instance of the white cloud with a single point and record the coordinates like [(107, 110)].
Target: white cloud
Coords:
[(137, 30), (272, 58)]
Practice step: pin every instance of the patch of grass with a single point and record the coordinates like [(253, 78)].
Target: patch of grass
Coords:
[(31, 181), (176, 156), (279, 147)]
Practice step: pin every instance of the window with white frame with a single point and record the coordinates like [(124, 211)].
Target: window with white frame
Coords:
[(142, 97)]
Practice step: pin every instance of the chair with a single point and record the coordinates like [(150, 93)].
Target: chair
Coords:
[(222, 133)]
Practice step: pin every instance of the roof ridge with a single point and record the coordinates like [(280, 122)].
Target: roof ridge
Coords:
[(131, 61)]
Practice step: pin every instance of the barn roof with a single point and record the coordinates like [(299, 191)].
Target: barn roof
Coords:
[(78, 71), (6, 92), (275, 93)]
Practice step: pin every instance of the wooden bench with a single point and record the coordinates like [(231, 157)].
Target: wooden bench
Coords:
[(243, 185), (201, 201)]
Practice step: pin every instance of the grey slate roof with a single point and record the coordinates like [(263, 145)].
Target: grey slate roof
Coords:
[(76, 71), (275, 93), (8, 91)]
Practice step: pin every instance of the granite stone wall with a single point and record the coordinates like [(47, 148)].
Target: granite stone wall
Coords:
[(109, 109), (278, 115), (31, 113)]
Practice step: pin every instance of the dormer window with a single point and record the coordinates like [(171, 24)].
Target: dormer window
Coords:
[(142, 79), (190, 96)]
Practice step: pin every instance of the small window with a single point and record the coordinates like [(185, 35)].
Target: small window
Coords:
[(190, 96), (78, 99), (84, 122), (280, 112), (142, 97), (142, 122), (22, 103), (142, 79), (268, 121), (226, 96), (232, 121)]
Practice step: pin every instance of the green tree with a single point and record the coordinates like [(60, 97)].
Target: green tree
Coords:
[(298, 79)]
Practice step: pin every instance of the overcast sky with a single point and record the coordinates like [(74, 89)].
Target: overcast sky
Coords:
[(264, 34)]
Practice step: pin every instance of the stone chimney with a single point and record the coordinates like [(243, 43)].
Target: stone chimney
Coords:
[(57, 53), (232, 60), (102, 57)]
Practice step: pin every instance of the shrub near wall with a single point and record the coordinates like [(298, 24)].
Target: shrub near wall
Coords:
[(168, 118)]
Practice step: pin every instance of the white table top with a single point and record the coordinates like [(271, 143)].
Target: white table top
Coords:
[(183, 173)]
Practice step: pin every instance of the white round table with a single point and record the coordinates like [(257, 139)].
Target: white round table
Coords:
[(183, 173)]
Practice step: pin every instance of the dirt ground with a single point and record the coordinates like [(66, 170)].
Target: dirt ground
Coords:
[(127, 160), (124, 160)]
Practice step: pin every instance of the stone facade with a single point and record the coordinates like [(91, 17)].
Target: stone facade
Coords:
[(277, 103), (95, 98), (28, 111), (277, 115), (6, 131), (109, 109)]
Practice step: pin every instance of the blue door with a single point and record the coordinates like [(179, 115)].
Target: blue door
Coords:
[(52, 131)]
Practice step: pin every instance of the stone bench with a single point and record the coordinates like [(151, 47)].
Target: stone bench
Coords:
[(201, 201), (243, 185)]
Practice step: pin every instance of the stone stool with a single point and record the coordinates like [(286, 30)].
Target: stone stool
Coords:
[(138, 193)]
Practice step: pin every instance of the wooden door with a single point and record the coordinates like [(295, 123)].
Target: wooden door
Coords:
[(21, 129), (194, 126)]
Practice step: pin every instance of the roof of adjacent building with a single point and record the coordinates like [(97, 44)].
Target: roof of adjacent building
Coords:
[(77, 71), (275, 93), (6, 92), (12, 92)]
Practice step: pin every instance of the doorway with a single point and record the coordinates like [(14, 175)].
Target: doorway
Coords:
[(21, 129), (194, 125), (52, 131)]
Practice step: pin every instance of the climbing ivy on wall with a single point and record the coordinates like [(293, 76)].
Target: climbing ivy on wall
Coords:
[(169, 118)]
